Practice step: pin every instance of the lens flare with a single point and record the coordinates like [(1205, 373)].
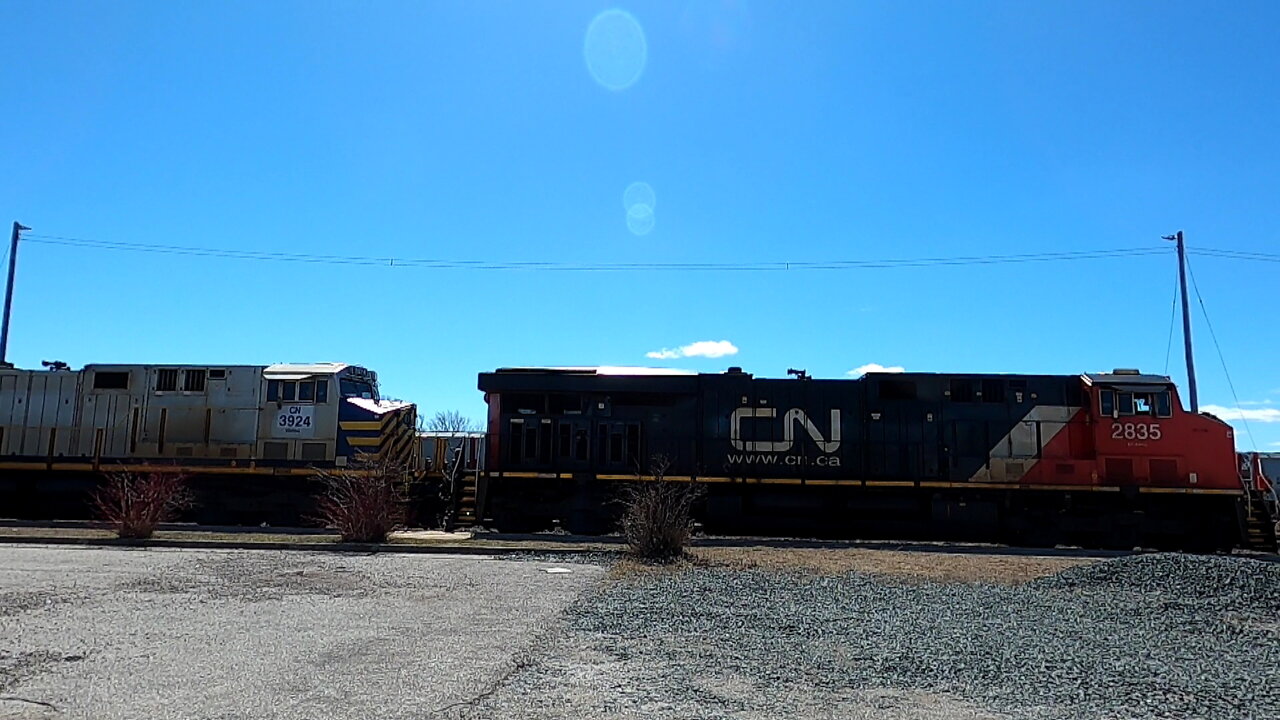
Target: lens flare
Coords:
[(615, 49)]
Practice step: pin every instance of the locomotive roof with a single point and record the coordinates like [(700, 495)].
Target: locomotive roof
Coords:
[(624, 371), (278, 371), (303, 368), (597, 370), (1127, 379)]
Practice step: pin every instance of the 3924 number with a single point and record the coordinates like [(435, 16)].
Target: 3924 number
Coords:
[(1135, 431), (295, 421)]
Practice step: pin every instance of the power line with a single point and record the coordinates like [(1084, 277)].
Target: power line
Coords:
[(1173, 320), (1235, 254), (278, 256), (1221, 358)]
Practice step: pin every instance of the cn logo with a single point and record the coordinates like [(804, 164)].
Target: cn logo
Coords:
[(793, 416)]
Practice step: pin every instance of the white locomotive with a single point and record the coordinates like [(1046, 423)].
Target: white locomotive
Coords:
[(276, 419)]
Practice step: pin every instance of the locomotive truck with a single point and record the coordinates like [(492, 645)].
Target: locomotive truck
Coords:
[(1099, 459)]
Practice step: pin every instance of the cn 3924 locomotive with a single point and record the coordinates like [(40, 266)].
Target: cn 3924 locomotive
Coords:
[(1108, 459), (224, 425)]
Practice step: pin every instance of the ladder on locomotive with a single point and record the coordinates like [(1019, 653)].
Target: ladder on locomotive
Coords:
[(462, 489), (1263, 504)]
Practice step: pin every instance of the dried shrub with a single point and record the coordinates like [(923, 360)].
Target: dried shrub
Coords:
[(657, 515), (136, 503), (365, 501)]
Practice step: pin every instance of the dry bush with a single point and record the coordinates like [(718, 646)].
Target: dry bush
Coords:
[(135, 503), (657, 515), (364, 501)]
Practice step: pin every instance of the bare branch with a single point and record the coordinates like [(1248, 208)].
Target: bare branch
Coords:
[(451, 421), (366, 500), (657, 517), (135, 503)]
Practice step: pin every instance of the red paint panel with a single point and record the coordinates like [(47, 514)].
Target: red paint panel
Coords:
[(1193, 443)]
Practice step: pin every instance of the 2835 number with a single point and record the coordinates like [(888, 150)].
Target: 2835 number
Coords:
[(1135, 431)]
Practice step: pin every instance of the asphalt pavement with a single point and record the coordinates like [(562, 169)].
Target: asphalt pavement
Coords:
[(156, 633)]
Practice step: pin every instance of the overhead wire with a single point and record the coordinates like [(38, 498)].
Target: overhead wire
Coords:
[(1173, 317), (1235, 254), (1221, 358), (491, 265), (478, 264)]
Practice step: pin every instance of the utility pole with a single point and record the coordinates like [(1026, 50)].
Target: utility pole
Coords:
[(1186, 320), (8, 292)]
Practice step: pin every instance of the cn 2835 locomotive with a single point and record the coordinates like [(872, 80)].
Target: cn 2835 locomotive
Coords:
[(1108, 459)]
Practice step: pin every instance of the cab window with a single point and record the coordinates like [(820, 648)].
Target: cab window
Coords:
[(1126, 403), (1157, 403), (1107, 402), (356, 389), (307, 391)]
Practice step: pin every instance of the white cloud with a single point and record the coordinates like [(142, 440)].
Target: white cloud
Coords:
[(702, 348), (1268, 401), (1275, 444), (874, 368), (1262, 415)]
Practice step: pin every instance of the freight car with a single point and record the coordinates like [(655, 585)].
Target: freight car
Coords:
[(238, 430), (1103, 460)]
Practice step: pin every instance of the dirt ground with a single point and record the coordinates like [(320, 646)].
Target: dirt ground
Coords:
[(903, 565)]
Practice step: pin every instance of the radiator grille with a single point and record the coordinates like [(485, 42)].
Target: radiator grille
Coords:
[(1164, 471), (1119, 469)]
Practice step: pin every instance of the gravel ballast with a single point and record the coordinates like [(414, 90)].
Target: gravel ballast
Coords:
[(1154, 636)]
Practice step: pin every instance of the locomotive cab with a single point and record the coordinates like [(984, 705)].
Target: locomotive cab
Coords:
[(1142, 399), (1144, 437), (328, 412)]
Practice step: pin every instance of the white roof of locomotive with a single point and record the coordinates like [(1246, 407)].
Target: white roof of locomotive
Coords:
[(603, 370), (297, 371)]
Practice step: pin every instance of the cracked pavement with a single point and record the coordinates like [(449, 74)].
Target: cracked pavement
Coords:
[(115, 633)]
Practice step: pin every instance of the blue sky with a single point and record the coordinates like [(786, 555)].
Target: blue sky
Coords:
[(768, 132)]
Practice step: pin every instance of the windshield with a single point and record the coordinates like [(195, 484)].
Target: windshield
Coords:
[(357, 389)]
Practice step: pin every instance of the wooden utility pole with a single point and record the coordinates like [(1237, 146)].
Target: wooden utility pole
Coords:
[(1186, 320), (8, 292)]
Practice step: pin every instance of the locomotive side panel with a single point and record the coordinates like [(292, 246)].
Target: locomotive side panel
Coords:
[(1014, 458), (235, 401), (209, 418), (902, 417), (108, 422), (1015, 430), (42, 411), (168, 412), (613, 429), (778, 430)]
